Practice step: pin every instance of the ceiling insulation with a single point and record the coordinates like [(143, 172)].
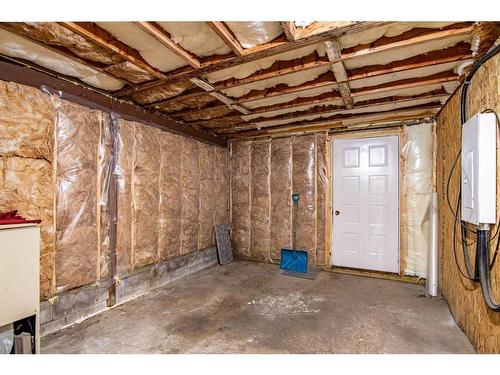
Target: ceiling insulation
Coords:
[(386, 57), (413, 73), (247, 69), (154, 52), (129, 72), (379, 108), (18, 47), (289, 97), (164, 91), (391, 30), (412, 91), (196, 37), (199, 73), (251, 34), (54, 34), (293, 79)]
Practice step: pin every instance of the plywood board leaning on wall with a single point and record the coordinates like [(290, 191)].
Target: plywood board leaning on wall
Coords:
[(26, 165), (466, 303)]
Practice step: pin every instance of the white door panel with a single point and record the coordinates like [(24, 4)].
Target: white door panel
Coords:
[(366, 198)]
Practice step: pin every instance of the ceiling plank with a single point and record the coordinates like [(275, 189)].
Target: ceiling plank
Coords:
[(97, 34), (81, 95), (164, 38), (334, 53), (252, 54), (227, 36), (290, 30)]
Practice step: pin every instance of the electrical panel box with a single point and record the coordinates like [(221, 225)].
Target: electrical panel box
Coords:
[(479, 169)]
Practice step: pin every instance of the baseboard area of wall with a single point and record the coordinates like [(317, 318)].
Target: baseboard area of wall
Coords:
[(79, 304)]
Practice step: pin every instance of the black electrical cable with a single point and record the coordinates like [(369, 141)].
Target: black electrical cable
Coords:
[(484, 269), (483, 265)]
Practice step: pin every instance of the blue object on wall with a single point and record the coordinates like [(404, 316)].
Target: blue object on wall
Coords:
[(293, 260)]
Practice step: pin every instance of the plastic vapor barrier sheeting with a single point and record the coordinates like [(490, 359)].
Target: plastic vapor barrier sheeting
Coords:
[(26, 164), (263, 176), (417, 151), (58, 161)]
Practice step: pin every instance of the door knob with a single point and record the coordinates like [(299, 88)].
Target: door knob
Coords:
[(337, 212)]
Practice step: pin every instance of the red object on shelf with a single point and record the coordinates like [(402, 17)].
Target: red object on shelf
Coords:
[(11, 217)]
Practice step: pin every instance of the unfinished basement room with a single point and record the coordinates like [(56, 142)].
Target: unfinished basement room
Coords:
[(249, 187)]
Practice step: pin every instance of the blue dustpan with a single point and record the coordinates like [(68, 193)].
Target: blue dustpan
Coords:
[(293, 260)]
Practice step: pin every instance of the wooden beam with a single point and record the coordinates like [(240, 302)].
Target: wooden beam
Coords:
[(252, 54), (81, 95), (98, 35), (334, 52), (164, 38), (227, 36), (290, 30)]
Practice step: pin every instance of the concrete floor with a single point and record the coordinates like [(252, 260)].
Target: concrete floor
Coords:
[(250, 307)]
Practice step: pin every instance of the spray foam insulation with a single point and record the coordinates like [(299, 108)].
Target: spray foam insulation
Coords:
[(251, 34), (129, 72), (154, 52), (180, 104), (17, 47), (196, 37)]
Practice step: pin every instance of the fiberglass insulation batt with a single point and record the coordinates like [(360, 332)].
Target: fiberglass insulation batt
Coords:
[(77, 144), (263, 176), (26, 164)]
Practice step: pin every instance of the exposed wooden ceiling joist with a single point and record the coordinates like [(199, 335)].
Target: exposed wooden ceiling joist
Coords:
[(258, 52), (103, 38), (322, 125), (398, 104), (227, 36), (289, 29), (165, 39), (326, 98), (334, 53), (456, 53)]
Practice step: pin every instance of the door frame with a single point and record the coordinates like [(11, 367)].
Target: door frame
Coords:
[(402, 235)]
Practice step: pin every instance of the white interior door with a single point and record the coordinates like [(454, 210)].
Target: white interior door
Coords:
[(366, 203)]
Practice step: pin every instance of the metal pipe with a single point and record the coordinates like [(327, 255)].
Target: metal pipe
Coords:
[(431, 285)]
